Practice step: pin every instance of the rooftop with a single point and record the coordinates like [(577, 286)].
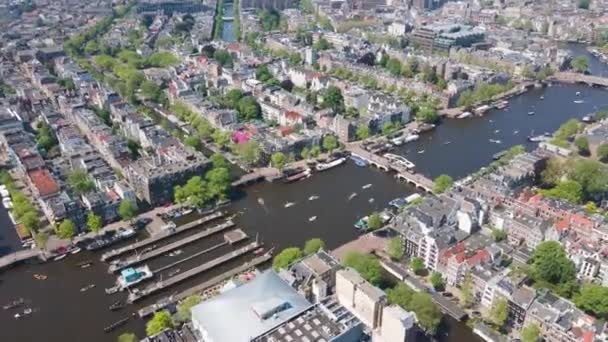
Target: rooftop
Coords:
[(256, 307)]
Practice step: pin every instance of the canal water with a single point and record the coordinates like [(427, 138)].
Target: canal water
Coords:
[(63, 313), (228, 25)]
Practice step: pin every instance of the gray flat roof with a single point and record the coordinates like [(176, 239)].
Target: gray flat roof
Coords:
[(250, 310)]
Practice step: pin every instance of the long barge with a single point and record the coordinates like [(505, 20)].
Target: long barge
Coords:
[(161, 236)]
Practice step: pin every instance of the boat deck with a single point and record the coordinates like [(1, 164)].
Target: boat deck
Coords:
[(161, 236), (174, 245), (139, 294)]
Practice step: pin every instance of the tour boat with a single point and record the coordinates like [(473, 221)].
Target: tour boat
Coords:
[(60, 257), (313, 197), (312, 218), (329, 165), (359, 161), (397, 141), (366, 186), (289, 204), (353, 195), (131, 276)]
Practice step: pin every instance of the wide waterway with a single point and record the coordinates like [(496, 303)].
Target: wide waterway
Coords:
[(63, 313)]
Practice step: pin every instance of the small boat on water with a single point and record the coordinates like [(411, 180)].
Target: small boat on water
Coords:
[(359, 161), (361, 224), (531, 113), (371, 200), (353, 195), (515, 132), (447, 142), (542, 97), (366, 186), (14, 304), (411, 137), (578, 101), (132, 276), (116, 324), (40, 276), (26, 312), (312, 218), (578, 93), (86, 265), (260, 201), (75, 250), (112, 290), (289, 205), (397, 141), (298, 176), (495, 141), (88, 261), (329, 165), (496, 131), (116, 305), (421, 152), (86, 288), (464, 115), (60, 257), (588, 118), (313, 197)]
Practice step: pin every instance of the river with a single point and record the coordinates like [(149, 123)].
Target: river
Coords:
[(63, 313)]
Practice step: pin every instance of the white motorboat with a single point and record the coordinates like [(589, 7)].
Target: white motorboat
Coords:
[(60, 257), (578, 101), (366, 186), (312, 218), (411, 137), (331, 164), (464, 115), (75, 250), (578, 93), (313, 197), (421, 152), (353, 195), (371, 200), (289, 205), (25, 312), (515, 132)]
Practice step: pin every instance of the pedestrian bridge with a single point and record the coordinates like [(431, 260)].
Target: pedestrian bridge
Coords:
[(572, 77), (388, 164), (19, 256)]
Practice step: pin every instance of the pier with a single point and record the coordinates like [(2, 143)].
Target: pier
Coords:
[(138, 294), (164, 249), (161, 236), (417, 180), (213, 282)]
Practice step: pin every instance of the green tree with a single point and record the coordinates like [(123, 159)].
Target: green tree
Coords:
[(278, 160), (332, 98), (330, 143), (366, 264), (127, 209), (30, 221), (427, 313), (551, 264), (315, 151), (80, 182), (499, 313), (150, 91), (218, 183), (194, 192), (417, 265), (322, 44), (222, 139), (568, 190), (127, 337), (41, 238), (248, 109), (159, 322), (193, 142), (218, 161), (593, 299), (554, 172), (582, 144), (602, 152), (466, 290), (313, 245), (394, 66), (584, 4), (363, 132), (66, 229), (530, 333), (400, 295), (183, 308), (499, 234), (374, 221), (263, 74), (442, 183), (223, 57), (437, 281), (580, 64), (249, 152), (91, 47), (286, 257), (389, 128), (94, 222), (45, 138), (427, 114), (395, 248), (305, 153), (590, 174)]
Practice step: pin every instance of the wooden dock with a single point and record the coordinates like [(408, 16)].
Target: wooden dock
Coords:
[(138, 294), (168, 301), (169, 247), (161, 236)]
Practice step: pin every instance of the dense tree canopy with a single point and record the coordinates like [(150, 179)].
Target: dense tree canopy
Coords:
[(499, 313), (159, 322), (417, 265), (66, 229), (94, 222), (286, 257), (313, 245), (437, 281), (127, 209), (395, 248), (332, 98), (183, 308), (442, 183), (366, 264), (593, 299), (374, 221), (580, 64), (530, 333), (427, 313), (551, 264)]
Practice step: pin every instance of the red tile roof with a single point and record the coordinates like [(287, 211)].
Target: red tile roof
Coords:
[(44, 182)]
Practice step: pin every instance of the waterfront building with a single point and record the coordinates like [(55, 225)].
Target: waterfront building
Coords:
[(518, 306), (397, 325), (170, 6), (314, 276), (359, 296)]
